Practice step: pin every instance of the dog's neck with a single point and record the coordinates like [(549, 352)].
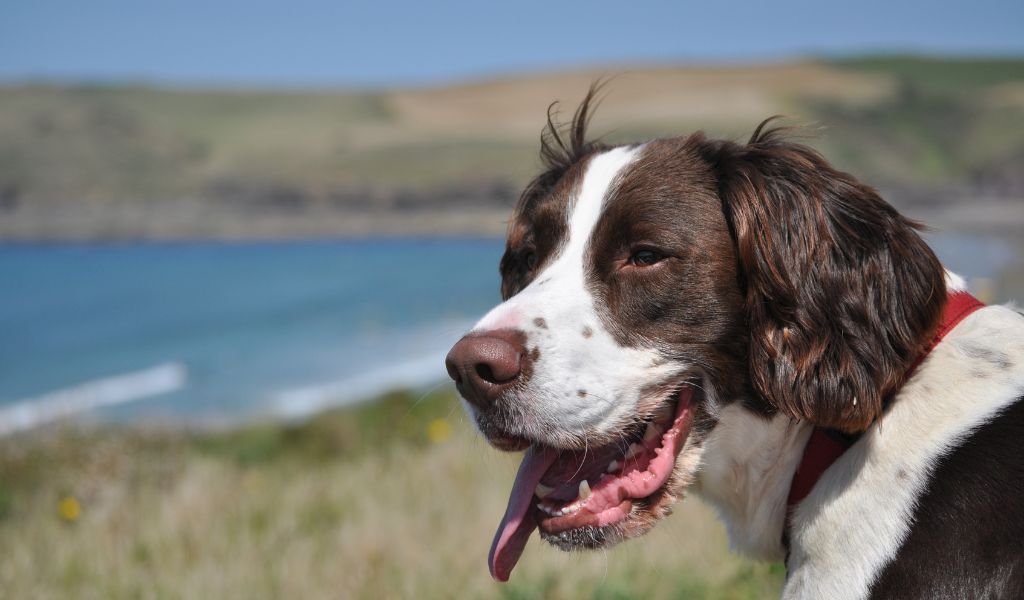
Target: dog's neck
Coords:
[(746, 471), (748, 462)]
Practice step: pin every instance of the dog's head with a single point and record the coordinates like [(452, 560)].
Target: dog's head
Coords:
[(647, 286)]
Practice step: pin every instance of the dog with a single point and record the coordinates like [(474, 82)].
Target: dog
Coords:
[(746, 322)]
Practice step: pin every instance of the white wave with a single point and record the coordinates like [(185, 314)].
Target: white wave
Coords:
[(421, 363), (303, 402), (119, 389)]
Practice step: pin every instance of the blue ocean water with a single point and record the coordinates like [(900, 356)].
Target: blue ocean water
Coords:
[(214, 332), (257, 327)]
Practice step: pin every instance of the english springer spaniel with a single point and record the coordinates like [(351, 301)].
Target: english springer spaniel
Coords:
[(747, 322)]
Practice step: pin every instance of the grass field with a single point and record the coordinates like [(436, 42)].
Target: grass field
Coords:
[(393, 499)]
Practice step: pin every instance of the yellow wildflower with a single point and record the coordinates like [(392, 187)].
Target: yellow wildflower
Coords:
[(69, 509), (438, 431)]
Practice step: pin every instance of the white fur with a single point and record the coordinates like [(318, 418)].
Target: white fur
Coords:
[(954, 282), (746, 474), (860, 512), (611, 376)]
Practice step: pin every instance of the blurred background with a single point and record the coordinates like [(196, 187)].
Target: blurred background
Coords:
[(237, 239)]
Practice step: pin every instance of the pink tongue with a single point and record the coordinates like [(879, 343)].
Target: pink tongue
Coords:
[(515, 528)]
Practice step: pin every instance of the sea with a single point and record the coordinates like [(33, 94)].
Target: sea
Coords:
[(213, 333)]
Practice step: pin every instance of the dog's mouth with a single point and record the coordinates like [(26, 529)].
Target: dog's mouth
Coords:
[(568, 491)]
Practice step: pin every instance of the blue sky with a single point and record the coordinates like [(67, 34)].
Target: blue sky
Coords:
[(315, 42)]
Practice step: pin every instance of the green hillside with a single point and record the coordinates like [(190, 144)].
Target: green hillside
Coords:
[(120, 161)]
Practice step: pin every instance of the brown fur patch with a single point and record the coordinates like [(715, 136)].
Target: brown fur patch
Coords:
[(841, 293), (688, 305)]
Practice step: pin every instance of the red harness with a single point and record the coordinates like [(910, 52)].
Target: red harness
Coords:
[(825, 446)]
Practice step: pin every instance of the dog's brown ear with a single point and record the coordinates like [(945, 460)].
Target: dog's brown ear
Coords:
[(841, 292)]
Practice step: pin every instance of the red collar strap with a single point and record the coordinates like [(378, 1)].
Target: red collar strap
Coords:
[(825, 446)]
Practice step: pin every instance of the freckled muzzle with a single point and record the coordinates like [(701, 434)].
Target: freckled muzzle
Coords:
[(571, 491), (564, 490)]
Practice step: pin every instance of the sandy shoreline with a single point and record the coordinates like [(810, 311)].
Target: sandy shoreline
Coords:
[(196, 220)]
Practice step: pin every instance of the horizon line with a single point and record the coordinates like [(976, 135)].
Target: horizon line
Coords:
[(511, 73)]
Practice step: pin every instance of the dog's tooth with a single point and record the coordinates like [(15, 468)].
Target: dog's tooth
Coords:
[(653, 432), (543, 491), (584, 490), (613, 466), (633, 450)]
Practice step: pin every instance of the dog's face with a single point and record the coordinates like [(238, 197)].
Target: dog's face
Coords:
[(621, 287), (635, 309), (623, 296)]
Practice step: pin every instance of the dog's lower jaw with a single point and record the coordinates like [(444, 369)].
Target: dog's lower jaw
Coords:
[(644, 513), (641, 519)]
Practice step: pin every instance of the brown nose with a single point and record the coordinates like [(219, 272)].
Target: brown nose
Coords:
[(484, 365)]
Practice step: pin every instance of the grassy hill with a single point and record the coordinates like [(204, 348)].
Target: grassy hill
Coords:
[(129, 161)]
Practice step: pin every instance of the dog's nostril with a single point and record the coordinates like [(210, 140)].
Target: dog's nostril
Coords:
[(486, 373)]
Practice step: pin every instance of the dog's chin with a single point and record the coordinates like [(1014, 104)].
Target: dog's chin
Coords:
[(498, 428)]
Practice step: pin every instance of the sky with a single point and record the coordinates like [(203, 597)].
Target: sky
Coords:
[(369, 44)]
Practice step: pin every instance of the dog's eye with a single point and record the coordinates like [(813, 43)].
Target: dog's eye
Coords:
[(645, 257), (530, 260)]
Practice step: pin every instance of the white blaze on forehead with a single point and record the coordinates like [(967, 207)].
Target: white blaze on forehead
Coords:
[(567, 271), (597, 182), (583, 380)]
